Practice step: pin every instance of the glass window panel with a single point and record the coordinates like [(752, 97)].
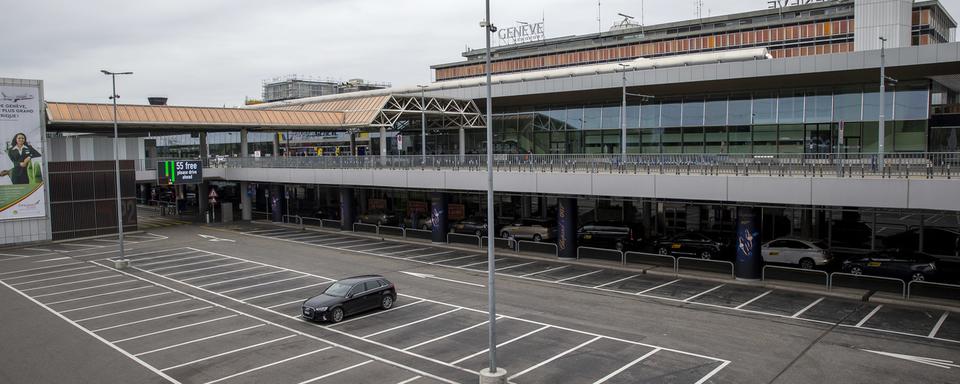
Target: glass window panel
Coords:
[(633, 141), (693, 113), (670, 114), (633, 116), (738, 110), (591, 117), (911, 104), (818, 107), (715, 112), (740, 139), (868, 137), (650, 115), (790, 107), (764, 108), (871, 106), (909, 135), (593, 142), (574, 118), (944, 139), (650, 139), (765, 139), (846, 105), (610, 116), (672, 136)]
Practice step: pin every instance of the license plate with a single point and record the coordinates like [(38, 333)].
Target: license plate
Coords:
[(774, 253), (873, 264), (587, 237), (675, 246)]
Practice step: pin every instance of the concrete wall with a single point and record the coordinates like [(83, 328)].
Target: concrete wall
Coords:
[(890, 19), (937, 194), (85, 148)]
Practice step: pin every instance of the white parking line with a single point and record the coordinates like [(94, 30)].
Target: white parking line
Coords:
[(936, 328), (72, 282), (130, 310), (869, 315), (616, 281), (659, 286), (115, 302), (83, 246), (182, 265), (514, 266), (405, 251), (267, 365), (49, 260), (286, 290), (338, 244), (287, 303), (228, 352), (375, 313), (627, 366), (704, 292), (462, 359), (44, 273), (480, 262), (341, 370), (173, 329), (410, 323), (213, 274), (151, 318), (546, 270), (542, 363), (369, 242), (744, 304), (429, 254), (171, 260), (60, 277), (187, 252), (199, 340), (574, 277), (266, 283), (380, 249), (410, 380), (239, 278), (448, 335), (800, 312), (455, 258), (86, 288), (97, 295)]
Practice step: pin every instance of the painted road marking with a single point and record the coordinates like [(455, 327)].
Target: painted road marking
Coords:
[(130, 310), (659, 286), (339, 371), (800, 312), (574, 277), (704, 292), (228, 352), (562, 354), (744, 304), (410, 323), (616, 281), (869, 315), (939, 363), (199, 340), (151, 318), (936, 328), (173, 329), (268, 365)]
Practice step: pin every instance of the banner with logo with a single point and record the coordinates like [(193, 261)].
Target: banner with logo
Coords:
[(22, 192)]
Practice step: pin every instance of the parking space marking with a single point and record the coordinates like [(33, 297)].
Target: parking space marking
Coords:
[(406, 251), (59, 277), (545, 271), (659, 286), (199, 340), (162, 256), (183, 265), (375, 313), (455, 258), (228, 352), (115, 302), (577, 276), (704, 292), (262, 284), (264, 264), (50, 260), (285, 304), (410, 323), (339, 371), (173, 329), (71, 282), (239, 278), (868, 316), (380, 249), (760, 296), (616, 281), (130, 310), (485, 350), (427, 255), (214, 274), (267, 365), (98, 295), (936, 328), (410, 380), (481, 262), (562, 354), (285, 291), (342, 242), (86, 288), (800, 312), (626, 366), (151, 319), (45, 273), (449, 334), (514, 266), (172, 260)]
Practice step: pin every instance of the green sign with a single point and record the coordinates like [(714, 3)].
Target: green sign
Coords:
[(176, 172)]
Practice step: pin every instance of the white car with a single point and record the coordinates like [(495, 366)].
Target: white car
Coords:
[(800, 252)]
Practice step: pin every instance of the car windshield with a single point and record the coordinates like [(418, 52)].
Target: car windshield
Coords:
[(338, 289)]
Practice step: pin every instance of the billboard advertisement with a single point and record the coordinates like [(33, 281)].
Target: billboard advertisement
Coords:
[(22, 192), (176, 172)]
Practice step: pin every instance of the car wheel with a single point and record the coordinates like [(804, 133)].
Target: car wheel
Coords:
[(856, 270), (706, 255), (537, 237), (478, 232), (917, 276), (505, 235), (386, 302), (379, 222), (336, 315), (618, 246), (807, 263), (662, 251)]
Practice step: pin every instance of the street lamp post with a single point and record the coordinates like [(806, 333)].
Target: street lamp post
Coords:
[(423, 126), (883, 105), (122, 261), (623, 115)]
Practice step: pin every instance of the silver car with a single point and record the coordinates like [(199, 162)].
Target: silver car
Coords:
[(529, 229), (800, 252)]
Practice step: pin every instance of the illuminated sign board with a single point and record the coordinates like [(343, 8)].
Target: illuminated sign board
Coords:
[(175, 172)]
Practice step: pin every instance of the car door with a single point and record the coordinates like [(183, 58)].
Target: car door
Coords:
[(585, 235), (793, 251), (774, 252), (371, 294), (355, 300)]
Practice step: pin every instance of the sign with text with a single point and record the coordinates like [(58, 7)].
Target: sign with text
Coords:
[(774, 4), (175, 172), (521, 33), (22, 191)]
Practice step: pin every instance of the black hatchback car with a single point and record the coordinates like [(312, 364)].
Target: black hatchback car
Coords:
[(906, 265), (350, 296), (609, 234), (690, 244)]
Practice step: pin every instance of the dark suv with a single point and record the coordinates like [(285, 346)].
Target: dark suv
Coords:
[(350, 296), (690, 244), (609, 234)]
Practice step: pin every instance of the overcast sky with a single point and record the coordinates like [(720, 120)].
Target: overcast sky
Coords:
[(217, 52)]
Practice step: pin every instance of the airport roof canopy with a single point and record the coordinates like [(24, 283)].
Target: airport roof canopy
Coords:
[(360, 112)]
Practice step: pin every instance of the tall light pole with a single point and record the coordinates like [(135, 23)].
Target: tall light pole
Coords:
[(623, 115), (492, 374), (423, 126), (883, 104), (116, 159)]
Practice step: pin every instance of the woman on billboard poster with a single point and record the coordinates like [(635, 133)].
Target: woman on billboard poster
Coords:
[(21, 154)]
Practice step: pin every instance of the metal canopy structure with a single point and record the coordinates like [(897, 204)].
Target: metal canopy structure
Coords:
[(389, 110)]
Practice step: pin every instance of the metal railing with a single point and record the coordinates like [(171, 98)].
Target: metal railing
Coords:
[(293, 219), (799, 273), (387, 230), (500, 243), (366, 228), (942, 291), (329, 223), (706, 265), (868, 282), (538, 247), (651, 259), (460, 238), (600, 253), (896, 165)]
